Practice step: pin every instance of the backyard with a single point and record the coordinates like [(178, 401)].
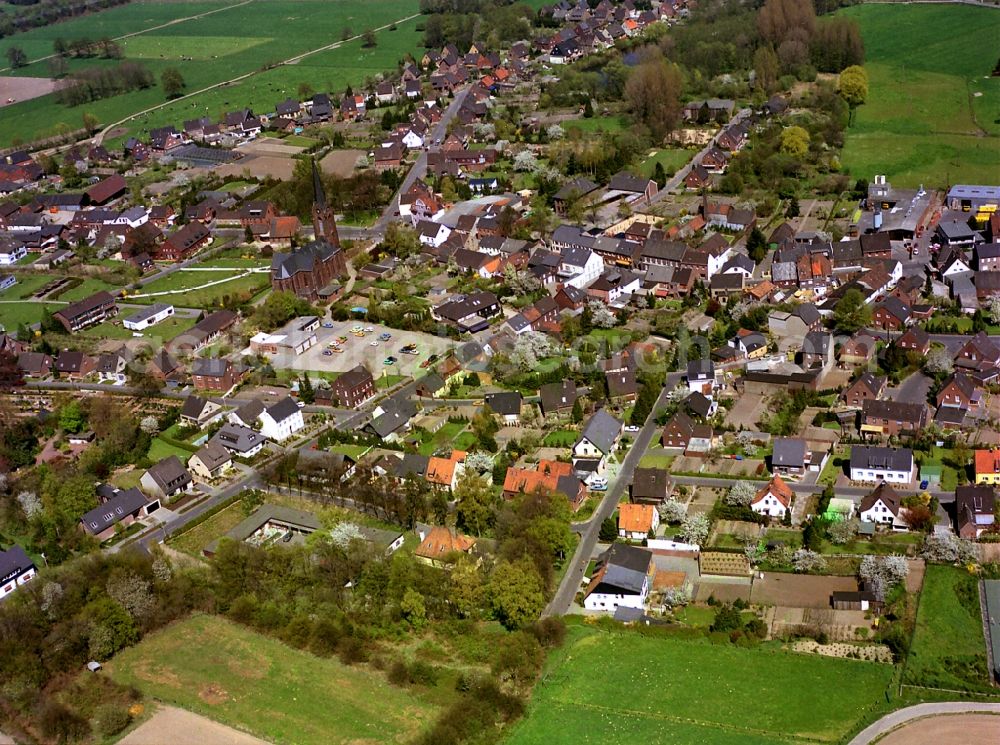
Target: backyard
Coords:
[(948, 649), (231, 674), (622, 687)]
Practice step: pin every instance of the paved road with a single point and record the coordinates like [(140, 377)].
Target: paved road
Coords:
[(566, 592), (419, 169), (891, 721), (678, 178), (913, 390), (798, 487)]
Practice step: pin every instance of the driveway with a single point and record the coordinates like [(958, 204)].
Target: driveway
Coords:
[(913, 390)]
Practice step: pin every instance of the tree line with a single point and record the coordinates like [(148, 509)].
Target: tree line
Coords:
[(96, 83), (29, 14)]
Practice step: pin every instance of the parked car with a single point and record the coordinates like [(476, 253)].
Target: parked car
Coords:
[(374, 343), (327, 353), (389, 361), (599, 485), (384, 336), (328, 325)]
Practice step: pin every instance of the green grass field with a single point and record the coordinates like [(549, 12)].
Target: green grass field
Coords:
[(563, 438), (933, 111), (179, 283), (228, 673), (215, 48), (161, 449), (27, 285), (671, 158), (13, 314), (620, 687), (948, 648), (605, 123), (194, 540)]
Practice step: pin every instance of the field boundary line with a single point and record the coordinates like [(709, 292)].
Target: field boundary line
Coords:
[(146, 30), (99, 137)]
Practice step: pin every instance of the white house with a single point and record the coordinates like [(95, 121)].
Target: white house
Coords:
[(598, 439), (883, 506), (11, 253), (871, 464), (281, 420), (16, 569), (773, 499), (432, 233), (167, 478), (147, 317), (701, 377), (622, 578), (579, 267), (636, 521), (412, 140)]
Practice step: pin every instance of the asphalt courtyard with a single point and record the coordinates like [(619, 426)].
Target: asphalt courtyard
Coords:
[(367, 350)]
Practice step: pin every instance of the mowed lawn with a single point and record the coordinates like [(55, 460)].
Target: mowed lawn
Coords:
[(236, 676), (215, 48), (948, 649), (181, 286), (621, 688), (933, 111), (672, 160)]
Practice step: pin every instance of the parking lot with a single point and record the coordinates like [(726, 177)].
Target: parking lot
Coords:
[(367, 350)]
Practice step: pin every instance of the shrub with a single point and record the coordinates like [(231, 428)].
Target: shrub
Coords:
[(110, 719)]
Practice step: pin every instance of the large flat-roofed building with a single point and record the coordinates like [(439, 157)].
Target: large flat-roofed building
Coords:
[(87, 312), (973, 198)]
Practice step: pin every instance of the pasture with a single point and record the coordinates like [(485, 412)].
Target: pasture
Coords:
[(948, 649), (617, 687), (670, 158), (223, 671), (187, 289), (933, 111), (235, 39)]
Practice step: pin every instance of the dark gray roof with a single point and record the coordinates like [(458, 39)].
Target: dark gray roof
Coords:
[(699, 404), (283, 409), (122, 503), (651, 483), (14, 562), (193, 406), (249, 412), (700, 370), (395, 414), (238, 439), (789, 452), (169, 472), (625, 568), (212, 367), (213, 454), (505, 403), (602, 430), (556, 396), (881, 458), (149, 312), (304, 259)]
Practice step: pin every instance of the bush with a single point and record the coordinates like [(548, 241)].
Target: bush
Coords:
[(398, 674), (110, 719), (550, 632), (351, 650)]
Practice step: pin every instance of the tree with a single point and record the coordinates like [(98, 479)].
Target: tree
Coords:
[(344, 533), (694, 529), (672, 511), (601, 316), (805, 560), (576, 415), (852, 85), (851, 312), (465, 587), (939, 360), (659, 175), (150, 425), (741, 494), (31, 505), (882, 573), (608, 531), (305, 90), (172, 82), (413, 608), (727, 618), (795, 141), (793, 208), (89, 121), (756, 245), (368, 39), (71, 417), (653, 93), (132, 593), (476, 503), (307, 393), (778, 19), (16, 57), (515, 592), (766, 68), (948, 548), (842, 531)]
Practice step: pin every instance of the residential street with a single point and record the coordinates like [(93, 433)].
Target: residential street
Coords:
[(566, 592)]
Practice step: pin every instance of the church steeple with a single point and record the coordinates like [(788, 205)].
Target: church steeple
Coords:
[(323, 216)]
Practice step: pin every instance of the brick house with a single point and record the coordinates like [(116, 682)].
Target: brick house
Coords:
[(353, 387)]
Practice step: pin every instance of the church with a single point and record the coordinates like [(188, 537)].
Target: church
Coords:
[(310, 271)]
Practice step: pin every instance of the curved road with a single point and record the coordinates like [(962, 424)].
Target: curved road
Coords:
[(897, 718)]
